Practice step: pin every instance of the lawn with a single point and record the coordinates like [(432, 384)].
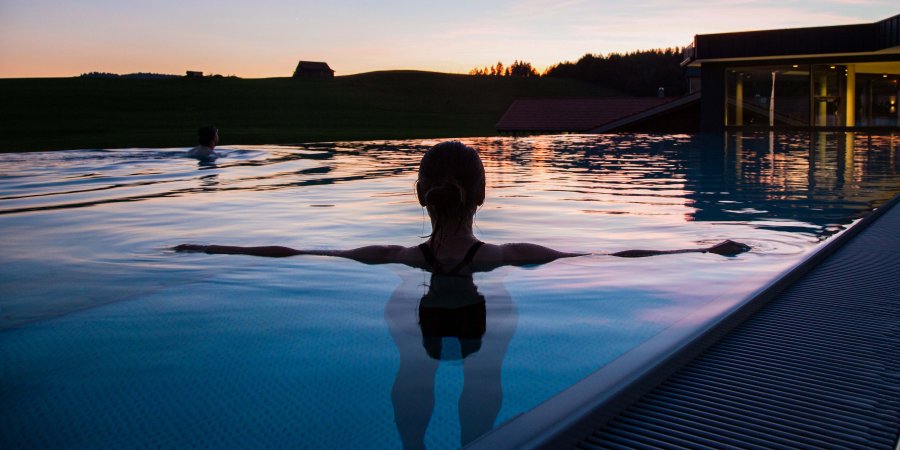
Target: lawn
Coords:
[(70, 113)]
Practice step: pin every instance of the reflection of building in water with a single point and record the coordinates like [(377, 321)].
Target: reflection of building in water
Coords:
[(810, 181), (814, 177)]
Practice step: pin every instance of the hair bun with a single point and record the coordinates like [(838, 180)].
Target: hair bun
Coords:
[(444, 196)]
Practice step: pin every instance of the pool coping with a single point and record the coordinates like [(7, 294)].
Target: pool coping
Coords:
[(564, 419)]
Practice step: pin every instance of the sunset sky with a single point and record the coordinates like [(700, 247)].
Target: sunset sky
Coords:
[(266, 38)]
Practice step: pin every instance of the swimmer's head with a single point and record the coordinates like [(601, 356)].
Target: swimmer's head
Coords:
[(208, 136), (451, 182)]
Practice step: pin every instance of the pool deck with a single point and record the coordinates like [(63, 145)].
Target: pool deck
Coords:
[(812, 361)]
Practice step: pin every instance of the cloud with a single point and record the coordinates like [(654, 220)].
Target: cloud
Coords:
[(859, 2)]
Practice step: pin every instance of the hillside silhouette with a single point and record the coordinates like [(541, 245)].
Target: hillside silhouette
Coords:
[(120, 112)]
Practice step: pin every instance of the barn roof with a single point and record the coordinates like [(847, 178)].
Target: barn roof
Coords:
[(577, 114), (313, 65)]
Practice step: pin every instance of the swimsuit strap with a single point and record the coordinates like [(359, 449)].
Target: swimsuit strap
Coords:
[(429, 256), (471, 253), (468, 258), (435, 265)]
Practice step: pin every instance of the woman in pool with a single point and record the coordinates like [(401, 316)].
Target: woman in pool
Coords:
[(451, 187)]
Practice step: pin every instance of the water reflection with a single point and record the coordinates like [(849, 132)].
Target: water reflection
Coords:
[(761, 179), (209, 182), (97, 220), (823, 179), (449, 318)]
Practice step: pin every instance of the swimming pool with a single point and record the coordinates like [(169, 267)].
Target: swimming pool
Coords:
[(108, 339)]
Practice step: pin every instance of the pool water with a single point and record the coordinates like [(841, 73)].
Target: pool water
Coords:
[(109, 339)]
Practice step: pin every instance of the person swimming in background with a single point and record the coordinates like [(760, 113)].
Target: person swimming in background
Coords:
[(451, 187), (208, 138)]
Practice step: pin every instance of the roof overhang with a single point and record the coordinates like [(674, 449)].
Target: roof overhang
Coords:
[(648, 114), (872, 40), (876, 55)]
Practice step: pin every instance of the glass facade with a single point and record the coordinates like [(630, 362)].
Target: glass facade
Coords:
[(861, 94)]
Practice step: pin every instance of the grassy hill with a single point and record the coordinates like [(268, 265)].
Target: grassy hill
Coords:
[(68, 113)]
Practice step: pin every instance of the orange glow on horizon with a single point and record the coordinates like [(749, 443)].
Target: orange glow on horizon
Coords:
[(47, 38)]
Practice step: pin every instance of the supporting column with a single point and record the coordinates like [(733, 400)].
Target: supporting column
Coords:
[(739, 100), (850, 96), (772, 102), (822, 103), (713, 101)]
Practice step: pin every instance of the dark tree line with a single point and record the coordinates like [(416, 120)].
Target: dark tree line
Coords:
[(139, 75), (639, 73), (516, 69), (144, 75)]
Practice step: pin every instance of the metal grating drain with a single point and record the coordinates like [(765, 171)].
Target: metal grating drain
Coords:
[(817, 368)]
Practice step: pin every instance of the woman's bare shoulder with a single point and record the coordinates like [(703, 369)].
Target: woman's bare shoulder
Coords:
[(410, 255), (490, 253)]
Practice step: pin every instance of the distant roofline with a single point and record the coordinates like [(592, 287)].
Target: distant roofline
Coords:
[(320, 65), (880, 55), (769, 30)]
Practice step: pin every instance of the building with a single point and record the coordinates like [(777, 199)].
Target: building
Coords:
[(194, 74), (312, 69), (836, 77)]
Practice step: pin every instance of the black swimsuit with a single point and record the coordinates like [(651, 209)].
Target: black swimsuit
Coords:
[(452, 307), (435, 267)]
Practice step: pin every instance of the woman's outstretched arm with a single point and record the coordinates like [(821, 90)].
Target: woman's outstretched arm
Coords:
[(372, 254), (507, 254), (519, 254), (725, 248), (272, 251)]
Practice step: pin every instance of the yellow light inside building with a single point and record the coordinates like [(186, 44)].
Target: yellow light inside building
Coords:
[(832, 67), (795, 66)]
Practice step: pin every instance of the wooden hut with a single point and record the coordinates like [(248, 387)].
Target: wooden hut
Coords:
[(312, 69)]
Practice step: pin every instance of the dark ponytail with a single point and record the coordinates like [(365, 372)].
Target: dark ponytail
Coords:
[(447, 197)]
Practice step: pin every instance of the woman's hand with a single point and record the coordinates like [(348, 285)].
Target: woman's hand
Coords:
[(190, 248), (728, 248), (724, 248)]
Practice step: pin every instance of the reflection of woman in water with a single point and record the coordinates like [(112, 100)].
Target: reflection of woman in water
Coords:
[(450, 320), (452, 312)]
